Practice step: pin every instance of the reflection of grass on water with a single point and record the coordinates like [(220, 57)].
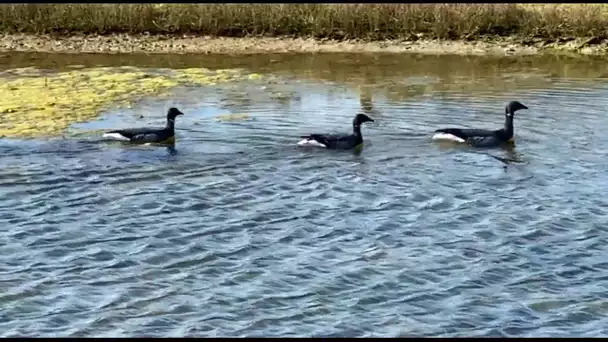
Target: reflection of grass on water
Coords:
[(45, 105), (364, 21), (407, 77), (399, 76)]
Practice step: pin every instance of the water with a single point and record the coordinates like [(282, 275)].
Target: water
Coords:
[(237, 232)]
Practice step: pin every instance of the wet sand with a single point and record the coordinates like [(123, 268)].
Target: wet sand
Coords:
[(123, 43)]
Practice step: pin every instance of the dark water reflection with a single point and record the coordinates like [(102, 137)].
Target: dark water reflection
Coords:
[(237, 232)]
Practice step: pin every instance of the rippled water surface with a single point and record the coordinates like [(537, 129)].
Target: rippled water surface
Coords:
[(238, 232)]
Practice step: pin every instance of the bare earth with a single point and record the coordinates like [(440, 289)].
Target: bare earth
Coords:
[(122, 43)]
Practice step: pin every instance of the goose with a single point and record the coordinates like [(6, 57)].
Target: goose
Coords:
[(482, 137), (164, 135), (338, 142)]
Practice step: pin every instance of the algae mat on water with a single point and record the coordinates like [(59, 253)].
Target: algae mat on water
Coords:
[(37, 104)]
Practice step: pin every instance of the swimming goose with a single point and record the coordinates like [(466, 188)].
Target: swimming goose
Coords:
[(482, 137), (148, 135), (338, 142)]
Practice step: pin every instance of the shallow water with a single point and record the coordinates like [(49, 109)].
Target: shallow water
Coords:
[(238, 232)]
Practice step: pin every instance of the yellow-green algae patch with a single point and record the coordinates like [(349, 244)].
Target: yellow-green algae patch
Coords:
[(232, 117), (35, 104)]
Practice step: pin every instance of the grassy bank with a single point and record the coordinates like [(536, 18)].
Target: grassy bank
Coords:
[(332, 21)]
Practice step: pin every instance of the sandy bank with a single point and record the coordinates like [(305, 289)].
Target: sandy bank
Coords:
[(121, 43)]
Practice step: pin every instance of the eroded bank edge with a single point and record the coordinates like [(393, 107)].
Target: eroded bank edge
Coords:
[(123, 43)]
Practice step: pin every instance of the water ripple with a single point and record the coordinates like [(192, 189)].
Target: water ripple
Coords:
[(240, 233)]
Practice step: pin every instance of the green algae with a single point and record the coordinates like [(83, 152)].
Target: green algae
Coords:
[(38, 104)]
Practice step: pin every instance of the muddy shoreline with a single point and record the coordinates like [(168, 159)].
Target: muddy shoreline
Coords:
[(123, 43)]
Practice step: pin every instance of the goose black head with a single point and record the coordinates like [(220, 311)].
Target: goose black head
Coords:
[(173, 113), (361, 118), (514, 106)]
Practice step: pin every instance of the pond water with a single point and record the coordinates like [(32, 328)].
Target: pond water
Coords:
[(239, 232)]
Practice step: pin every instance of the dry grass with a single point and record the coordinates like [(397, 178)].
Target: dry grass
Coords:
[(334, 21)]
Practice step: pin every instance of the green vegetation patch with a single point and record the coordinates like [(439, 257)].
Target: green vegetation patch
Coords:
[(36, 105)]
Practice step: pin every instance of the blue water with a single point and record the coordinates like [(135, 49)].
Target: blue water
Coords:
[(238, 232)]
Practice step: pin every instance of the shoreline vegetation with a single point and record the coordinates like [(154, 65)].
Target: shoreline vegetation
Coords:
[(502, 29)]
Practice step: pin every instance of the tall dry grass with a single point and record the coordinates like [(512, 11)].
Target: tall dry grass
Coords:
[(336, 21)]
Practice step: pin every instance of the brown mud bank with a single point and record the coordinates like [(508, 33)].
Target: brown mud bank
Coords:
[(123, 43)]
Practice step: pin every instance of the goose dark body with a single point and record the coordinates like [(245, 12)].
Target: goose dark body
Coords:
[(336, 141), (148, 135), (481, 137)]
